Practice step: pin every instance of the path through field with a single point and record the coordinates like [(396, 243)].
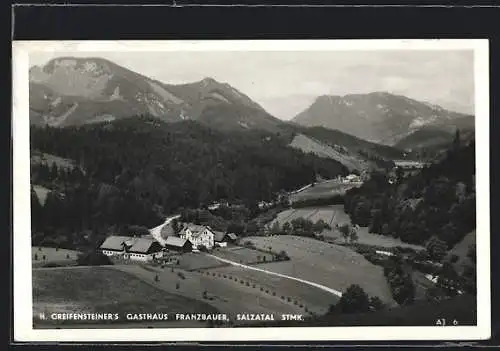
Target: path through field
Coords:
[(316, 285)]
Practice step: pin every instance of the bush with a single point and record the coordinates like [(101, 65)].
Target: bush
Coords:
[(354, 300), (247, 284), (93, 258), (181, 275)]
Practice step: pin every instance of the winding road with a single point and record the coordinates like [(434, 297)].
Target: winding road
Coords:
[(316, 285)]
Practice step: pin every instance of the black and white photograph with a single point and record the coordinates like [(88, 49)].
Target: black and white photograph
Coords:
[(293, 188)]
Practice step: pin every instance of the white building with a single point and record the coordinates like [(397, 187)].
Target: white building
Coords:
[(198, 235)]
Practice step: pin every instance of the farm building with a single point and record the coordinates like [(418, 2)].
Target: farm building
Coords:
[(178, 244), (219, 239), (230, 238), (139, 249), (198, 235)]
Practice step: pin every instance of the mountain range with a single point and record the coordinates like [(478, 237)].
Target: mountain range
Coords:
[(76, 91), (380, 117)]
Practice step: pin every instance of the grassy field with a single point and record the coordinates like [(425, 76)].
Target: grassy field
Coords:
[(323, 190), (461, 250), (104, 290), (53, 256), (38, 157), (42, 193), (243, 255), (192, 261), (335, 215), (312, 299), (331, 265), (226, 295)]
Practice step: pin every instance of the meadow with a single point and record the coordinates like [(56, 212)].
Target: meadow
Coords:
[(324, 190), (331, 265), (226, 295), (104, 290), (42, 256), (335, 215), (308, 298)]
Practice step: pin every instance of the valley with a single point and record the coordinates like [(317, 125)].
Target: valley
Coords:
[(151, 197)]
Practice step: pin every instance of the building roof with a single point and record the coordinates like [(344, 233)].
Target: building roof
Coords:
[(232, 236), (175, 241), (218, 236), (115, 242), (142, 245), (196, 229)]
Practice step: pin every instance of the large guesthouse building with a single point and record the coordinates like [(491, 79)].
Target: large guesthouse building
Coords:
[(198, 235)]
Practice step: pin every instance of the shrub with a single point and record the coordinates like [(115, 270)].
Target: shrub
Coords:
[(247, 284), (224, 276), (181, 275), (93, 258), (253, 285), (242, 282), (261, 289), (354, 300)]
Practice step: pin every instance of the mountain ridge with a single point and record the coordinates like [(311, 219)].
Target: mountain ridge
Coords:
[(380, 116), (72, 91)]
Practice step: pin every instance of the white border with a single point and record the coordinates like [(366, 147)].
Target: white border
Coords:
[(23, 330)]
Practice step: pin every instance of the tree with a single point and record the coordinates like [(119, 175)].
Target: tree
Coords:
[(436, 248), (93, 258), (275, 228), (354, 300), (345, 231), (376, 303), (287, 228), (353, 235), (175, 226)]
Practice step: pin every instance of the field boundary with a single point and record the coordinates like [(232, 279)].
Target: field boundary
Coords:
[(316, 285)]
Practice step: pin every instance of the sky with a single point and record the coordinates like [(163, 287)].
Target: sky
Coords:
[(287, 82)]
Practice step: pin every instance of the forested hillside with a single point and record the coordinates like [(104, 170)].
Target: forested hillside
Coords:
[(439, 202), (139, 169)]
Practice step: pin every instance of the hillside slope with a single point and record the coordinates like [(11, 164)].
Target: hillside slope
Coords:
[(381, 117)]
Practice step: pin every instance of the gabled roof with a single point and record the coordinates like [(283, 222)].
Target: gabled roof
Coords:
[(142, 245), (218, 236), (115, 242), (232, 236), (175, 241), (196, 229)]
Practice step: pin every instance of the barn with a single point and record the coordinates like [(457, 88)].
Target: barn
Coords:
[(178, 244), (138, 249)]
